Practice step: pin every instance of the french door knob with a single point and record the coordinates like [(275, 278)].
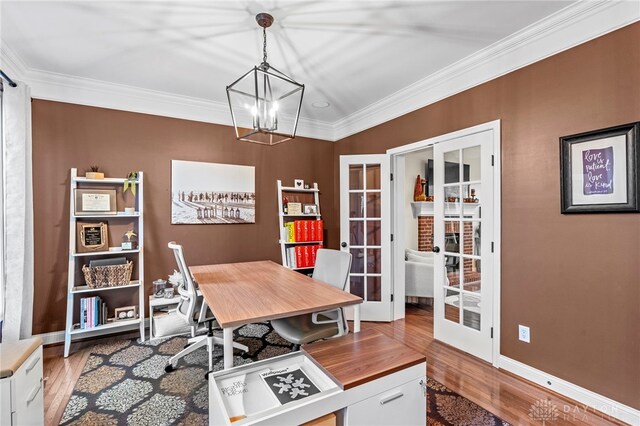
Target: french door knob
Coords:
[(343, 244), (436, 249)]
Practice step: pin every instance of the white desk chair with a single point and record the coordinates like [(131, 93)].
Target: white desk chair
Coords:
[(332, 267), (194, 311)]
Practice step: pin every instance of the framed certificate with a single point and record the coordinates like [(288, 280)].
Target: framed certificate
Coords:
[(95, 201)]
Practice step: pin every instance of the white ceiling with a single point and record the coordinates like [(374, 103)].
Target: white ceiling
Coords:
[(351, 54)]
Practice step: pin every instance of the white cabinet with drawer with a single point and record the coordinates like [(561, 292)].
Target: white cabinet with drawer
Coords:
[(21, 385), (401, 405)]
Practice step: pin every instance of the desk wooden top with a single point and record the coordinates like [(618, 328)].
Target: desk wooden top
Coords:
[(244, 293), (359, 358)]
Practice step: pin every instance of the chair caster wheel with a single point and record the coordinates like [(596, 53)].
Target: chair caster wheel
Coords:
[(169, 368)]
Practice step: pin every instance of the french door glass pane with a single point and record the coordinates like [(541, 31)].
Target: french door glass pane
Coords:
[(357, 261), (356, 232), (472, 275), (356, 174), (471, 311), (452, 166), (373, 204), (373, 176), (374, 288), (356, 207), (357, 285), (452, 305), (471, 161), (373, 260), (452, 266), (373, 232)]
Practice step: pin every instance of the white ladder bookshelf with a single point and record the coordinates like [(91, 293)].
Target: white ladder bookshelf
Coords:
[(284, 218), (75, 282)]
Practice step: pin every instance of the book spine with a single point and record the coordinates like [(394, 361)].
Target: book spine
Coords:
[(299, 257), (298, 230), (314, 252), (313, 230), (82, 313), (319, 230), (292, 257), (98, 321), (292, 231), (305, 230), (88, 323), (307, 256)]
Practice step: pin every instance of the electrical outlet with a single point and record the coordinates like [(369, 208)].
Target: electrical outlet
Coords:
[(523, 333)]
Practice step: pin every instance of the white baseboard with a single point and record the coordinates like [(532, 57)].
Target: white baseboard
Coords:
[(58, 336), (591, 400)]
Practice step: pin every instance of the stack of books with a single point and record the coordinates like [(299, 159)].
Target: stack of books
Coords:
[(93, 312), (304, 231), (302, 256)]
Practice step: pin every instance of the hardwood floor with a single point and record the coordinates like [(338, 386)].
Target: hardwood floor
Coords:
[(503, 394)]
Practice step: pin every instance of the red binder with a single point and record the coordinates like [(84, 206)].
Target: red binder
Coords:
[(319, 230)]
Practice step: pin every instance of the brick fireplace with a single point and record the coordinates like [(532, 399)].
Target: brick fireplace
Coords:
[(425, 236)]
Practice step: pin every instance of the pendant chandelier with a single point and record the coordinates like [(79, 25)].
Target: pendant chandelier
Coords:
[(265, 103)]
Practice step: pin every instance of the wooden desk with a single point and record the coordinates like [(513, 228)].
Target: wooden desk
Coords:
[(245, 293)]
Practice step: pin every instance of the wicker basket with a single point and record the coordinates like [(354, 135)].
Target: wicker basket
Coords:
[(107, 276)]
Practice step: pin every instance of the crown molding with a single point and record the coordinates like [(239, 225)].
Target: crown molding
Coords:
[(84, 91), (576, 24)]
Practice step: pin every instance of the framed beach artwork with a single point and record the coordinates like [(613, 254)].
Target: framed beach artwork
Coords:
[(600, 170), (212, 193)]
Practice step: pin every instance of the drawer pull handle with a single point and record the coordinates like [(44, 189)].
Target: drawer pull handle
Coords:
[(391, 398), (34, 393), (34, 362)]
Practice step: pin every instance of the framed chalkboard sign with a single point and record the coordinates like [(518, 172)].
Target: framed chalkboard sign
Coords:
[(600, 170), (91, 237)]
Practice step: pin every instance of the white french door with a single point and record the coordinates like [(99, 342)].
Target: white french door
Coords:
[(463, 236), (365, 217)]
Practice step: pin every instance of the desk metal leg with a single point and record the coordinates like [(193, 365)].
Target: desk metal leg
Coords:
[(227, 346), (356, 318)]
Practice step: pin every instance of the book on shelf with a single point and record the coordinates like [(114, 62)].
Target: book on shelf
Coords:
[(302, 231), (302, 256), (93, 312)]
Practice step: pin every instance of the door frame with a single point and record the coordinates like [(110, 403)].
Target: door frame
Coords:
[(398, 222)]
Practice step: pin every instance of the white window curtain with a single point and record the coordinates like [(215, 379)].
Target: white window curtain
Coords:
[(17, 209)]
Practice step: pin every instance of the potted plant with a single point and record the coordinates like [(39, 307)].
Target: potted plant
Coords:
[(130, 182), (94, 173)]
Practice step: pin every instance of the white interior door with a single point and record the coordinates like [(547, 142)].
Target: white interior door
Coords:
[(365, 218), (463, 236)]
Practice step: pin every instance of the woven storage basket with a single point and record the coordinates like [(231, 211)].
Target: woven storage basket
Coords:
[(107, 276)]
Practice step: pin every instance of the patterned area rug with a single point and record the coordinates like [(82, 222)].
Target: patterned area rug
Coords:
[(124, 383), (445, 407)]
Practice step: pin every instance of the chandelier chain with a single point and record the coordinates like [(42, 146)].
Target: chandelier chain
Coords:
[(264, 45)]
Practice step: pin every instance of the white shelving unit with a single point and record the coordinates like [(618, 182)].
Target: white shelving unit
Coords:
[(75, 283), (284, 218)]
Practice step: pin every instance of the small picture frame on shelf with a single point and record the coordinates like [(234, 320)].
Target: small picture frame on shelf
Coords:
[(298, 183), (294, 208), (91, 237), (126, 313), (310, 209), (95, 202)]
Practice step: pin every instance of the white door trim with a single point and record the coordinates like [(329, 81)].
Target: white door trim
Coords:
[(398, 218)]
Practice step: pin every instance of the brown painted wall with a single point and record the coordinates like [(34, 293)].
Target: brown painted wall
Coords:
[(574, 279), (66, 136)]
